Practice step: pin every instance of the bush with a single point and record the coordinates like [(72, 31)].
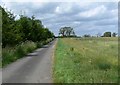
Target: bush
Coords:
[(39, 44), (19, 52), (11, 54), (8, 56), (29, 46)]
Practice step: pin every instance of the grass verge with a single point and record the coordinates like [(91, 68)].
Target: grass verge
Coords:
[(11, 54)]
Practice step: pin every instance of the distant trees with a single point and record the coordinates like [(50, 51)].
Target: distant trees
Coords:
[(67, 32), (107, 34), (23, 29), (87, 35), (114, 34)]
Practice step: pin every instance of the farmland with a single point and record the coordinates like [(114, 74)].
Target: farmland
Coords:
[(86, 60)]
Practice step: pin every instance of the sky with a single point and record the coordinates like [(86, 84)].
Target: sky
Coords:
[(85, 17)]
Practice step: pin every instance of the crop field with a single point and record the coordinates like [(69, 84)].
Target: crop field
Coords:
[(86, 60)]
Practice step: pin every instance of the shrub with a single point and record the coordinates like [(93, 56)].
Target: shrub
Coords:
[(39, 44), (19, 52), (7, 56), (11, 54)]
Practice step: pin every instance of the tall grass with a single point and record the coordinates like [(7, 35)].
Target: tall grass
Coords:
[(86, 61), (10, 54)]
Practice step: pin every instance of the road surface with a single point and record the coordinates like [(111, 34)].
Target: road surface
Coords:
[(36, 67)]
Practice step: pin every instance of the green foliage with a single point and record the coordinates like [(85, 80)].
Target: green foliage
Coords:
[(9, 32), (22, 29), (67, 32), (107, 34), (21, 36), (10, 54), (86, 35)]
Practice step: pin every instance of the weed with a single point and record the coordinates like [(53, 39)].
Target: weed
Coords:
[(71, 49)]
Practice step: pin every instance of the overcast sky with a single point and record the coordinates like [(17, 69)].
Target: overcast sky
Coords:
[(84, 17)]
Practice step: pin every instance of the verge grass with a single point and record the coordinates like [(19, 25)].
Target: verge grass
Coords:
[(11, 54), (86, 60)]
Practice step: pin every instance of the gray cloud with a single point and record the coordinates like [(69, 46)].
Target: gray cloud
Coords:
[(85, 18)]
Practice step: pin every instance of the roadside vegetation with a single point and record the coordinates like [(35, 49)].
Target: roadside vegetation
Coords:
[(11, 54), (21, 35), (86, 60)]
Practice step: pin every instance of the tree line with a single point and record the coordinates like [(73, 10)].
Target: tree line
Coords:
[(23, 29), (105, 34), (69, 32)]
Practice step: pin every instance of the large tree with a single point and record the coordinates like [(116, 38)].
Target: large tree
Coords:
[(66, 32)]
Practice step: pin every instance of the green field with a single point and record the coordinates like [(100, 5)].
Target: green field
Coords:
[(86, 60)]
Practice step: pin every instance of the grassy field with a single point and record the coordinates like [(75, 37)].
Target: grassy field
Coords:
[(86, 60)]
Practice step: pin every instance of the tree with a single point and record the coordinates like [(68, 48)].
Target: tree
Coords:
[(62, 31), (87, 35), (114, 34), (66, 32), (23, 29), (10, 34), (107, 34)]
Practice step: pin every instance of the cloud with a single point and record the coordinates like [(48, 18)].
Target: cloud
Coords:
[(84, 17), (108, 22), (59, 1), (94, 12)]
